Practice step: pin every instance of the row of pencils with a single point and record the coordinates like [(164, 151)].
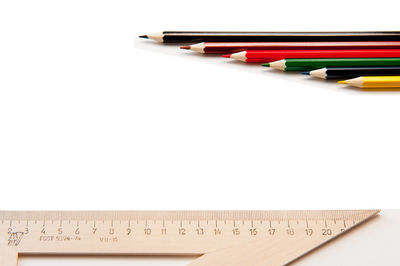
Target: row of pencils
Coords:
[(360, 59)]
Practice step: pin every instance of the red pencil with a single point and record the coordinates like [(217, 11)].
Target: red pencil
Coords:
[(266, 56), (234, 47)]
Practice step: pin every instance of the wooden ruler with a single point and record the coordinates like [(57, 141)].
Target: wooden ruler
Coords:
[(234, 238)]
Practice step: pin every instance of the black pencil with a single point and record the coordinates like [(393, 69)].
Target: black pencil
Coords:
[(220, 36), (353, 72)]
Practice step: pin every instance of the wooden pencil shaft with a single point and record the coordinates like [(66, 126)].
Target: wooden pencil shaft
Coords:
[(220, 36), (381, 82), (273, 55), (233, 47), (383, 53), (353, 72), (309, 64)]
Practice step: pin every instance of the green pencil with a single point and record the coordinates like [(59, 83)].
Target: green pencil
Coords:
[(312, 64)]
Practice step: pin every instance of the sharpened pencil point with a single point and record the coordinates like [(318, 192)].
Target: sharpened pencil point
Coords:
[(227, 56), (305, 73), (265, 65), (342, 82), (185, 47), (143, 36)]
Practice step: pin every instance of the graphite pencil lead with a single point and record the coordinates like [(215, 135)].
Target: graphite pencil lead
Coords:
[(305, 73), (143, 36), (185, 47), (227, 56)]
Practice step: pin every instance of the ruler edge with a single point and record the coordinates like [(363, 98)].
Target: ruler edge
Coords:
[(363, 222), (186, 214), (373, 214)]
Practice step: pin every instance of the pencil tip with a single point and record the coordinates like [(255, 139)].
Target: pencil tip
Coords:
[(265, 65), (227, 56), (144, 36), (342, 82), (185, 47), (305, 73)]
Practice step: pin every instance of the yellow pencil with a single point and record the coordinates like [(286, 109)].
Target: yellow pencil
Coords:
[(374, 82)]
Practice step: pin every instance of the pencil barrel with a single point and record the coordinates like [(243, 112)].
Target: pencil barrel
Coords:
[(353, 72), (234, 47), (381, 82), (195, 37), (317, 63)]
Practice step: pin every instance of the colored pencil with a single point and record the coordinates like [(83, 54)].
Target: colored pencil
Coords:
[(234, 47), (374, 82), (308, 64), (353, 72), (273, 55), (235, 36)]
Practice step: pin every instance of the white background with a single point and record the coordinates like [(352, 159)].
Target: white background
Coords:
[(93, 118)]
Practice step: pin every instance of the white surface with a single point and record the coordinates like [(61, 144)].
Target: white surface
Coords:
[(93, 118), (373, 243), (88, 110)]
